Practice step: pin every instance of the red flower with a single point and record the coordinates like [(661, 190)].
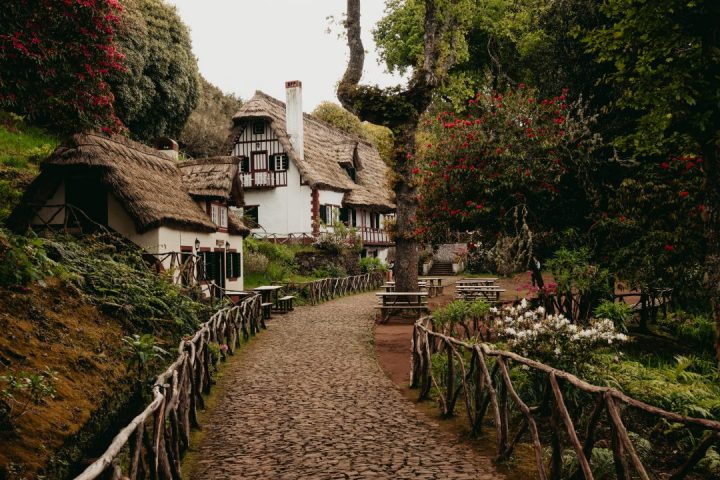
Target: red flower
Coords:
[(415, 171), (664, 165), (684, 194), (669, 248)]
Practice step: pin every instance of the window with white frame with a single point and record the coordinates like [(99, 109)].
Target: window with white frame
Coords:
[(219, 215)]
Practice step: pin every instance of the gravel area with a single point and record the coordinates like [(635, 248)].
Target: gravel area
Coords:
[(308, 400)]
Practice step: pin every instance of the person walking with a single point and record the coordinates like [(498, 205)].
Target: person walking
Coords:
[(536, 273)]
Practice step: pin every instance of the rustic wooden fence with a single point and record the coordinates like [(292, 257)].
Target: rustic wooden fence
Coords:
[(152, 445), (481, 377), (319, 291)]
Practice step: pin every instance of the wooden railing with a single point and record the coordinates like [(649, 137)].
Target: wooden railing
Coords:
[(264, 179), (319, 291), (289, 238), (481, 377), (152, 445), (374, 236)]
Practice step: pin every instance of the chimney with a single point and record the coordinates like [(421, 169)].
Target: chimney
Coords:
[(169, 147), (294, 116)]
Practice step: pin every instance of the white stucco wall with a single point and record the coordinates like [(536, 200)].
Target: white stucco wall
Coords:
[(283, 210)]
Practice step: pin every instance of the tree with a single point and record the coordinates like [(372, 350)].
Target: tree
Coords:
[(338, 117), (665, 58), (55, 62), (162, 86), (400, 109), (208, 126)]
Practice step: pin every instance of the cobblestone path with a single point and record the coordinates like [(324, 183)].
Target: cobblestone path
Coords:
[(308, 400)]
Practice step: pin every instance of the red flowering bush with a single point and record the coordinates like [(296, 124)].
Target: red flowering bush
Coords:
[(509, 150), (56, 57)]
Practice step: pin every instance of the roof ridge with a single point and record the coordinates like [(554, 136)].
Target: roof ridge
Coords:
[(125, 142), (315, 119), (216, 160)]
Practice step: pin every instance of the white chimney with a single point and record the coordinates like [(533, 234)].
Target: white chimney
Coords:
[(294, 116)]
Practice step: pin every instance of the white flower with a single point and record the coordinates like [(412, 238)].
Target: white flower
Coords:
[(540, 310)]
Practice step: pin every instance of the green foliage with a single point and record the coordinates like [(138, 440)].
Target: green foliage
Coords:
[(338, 117), (579, 281), (688, 386), (330, 271), (372, 264), (23, 260), (617, 312), (695, 330), (142, 353), (208, 126), (452, 314), (161, 87), (111, 273), (21, 391)]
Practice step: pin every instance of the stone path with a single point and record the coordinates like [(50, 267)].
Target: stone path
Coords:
[(308, 400)]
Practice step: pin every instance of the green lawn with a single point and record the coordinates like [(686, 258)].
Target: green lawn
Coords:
[(22, 148)]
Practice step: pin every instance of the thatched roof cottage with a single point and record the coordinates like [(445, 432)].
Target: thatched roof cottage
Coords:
[(300, 174), (172, 210)]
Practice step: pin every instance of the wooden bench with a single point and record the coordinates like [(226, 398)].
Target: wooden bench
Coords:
[(285, 304), (395, 302), (266, 309)]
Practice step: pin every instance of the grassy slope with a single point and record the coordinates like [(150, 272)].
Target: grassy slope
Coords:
[(74, 326), (22, 148)]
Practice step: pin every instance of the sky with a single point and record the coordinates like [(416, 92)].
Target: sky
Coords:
[(248, 45)]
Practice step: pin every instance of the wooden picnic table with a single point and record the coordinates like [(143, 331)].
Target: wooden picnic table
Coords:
[(490, 292), (476, 281), (269, 294), (394, 302), (432, 280)]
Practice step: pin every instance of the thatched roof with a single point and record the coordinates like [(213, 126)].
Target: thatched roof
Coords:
[(236, 225), (326, 149), (145, 181), (213, 178)]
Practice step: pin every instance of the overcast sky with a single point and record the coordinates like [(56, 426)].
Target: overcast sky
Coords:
[(248, 45)]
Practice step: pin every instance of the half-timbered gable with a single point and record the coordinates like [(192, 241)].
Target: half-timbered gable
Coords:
[(301, 174)]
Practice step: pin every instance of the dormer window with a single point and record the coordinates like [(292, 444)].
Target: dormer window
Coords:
[(219, 215), (351, 171), (259, 128)]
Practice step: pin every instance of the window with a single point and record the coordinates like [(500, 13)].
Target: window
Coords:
[(374, 220), (219, 215), (245, 165), (258, 128), (232, 264), (329, 214), (352, 173), (251, 213), (223, 217), (279, 162)]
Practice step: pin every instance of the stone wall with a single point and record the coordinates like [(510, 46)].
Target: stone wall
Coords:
[(310, 261)]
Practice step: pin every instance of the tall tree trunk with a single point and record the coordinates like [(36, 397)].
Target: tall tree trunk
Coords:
[(399, 110)]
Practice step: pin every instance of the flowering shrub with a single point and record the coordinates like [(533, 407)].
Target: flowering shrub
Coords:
[(339, 239), (553, 339), (56, 61), (506, 150)]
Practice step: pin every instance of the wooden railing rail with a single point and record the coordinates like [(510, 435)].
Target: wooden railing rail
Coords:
[(488, 385), (325, 289), (152, 445)]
